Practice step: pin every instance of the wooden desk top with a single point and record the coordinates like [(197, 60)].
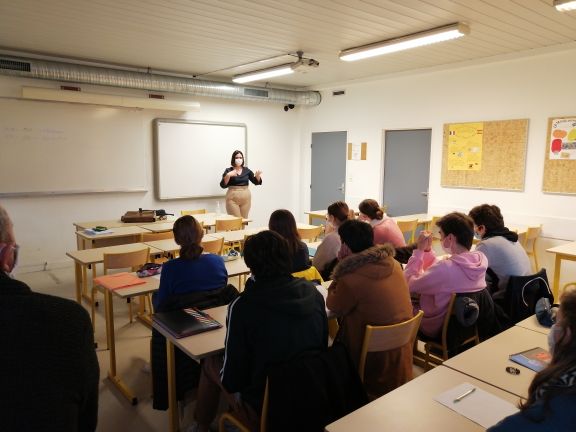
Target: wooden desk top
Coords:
[(412, 407), (204, 344), (488, 361), (532, 323), (123, 231), (96, 255), (115, 223), (565, 249)]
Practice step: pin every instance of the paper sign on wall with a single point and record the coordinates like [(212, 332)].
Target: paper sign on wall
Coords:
[(563, 139), (465, 146), (357, 151)]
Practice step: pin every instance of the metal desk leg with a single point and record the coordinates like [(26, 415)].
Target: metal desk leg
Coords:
[(173, 418), (114, 378)]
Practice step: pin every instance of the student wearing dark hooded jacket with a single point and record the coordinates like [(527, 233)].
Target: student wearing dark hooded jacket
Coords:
[(275, 318)]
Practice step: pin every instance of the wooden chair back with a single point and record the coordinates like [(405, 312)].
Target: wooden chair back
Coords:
[(151, 236), (442, 345), (213, 245), (408, 226), (228, 417), (529, 243), (234, 224), (192, 212), (310, 234), (133, 260), (388, 337)]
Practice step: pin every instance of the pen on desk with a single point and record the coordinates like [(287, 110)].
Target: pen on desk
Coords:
[(463, 395)]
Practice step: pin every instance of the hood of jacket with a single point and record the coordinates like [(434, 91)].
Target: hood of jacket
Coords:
[(473, 264), (287, 294), (371, 263)]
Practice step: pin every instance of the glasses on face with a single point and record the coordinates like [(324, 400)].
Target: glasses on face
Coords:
[(15, 248)]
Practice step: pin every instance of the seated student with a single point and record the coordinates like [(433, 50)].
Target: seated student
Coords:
[(552, 393), (275, 318), (192, 270), (326, 255), (506, 256), (369, 288), (434, 281), (283, 223), (49, 369), (385, 229)]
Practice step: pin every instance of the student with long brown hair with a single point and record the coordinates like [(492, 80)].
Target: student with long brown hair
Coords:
[(386, 230), (552, 394), (283, 222), (192, 270), (326, 256)]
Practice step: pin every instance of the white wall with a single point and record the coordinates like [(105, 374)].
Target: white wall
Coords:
[(44, 224), (535, 88)]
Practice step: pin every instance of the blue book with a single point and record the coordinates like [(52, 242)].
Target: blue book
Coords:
[(311, 251)]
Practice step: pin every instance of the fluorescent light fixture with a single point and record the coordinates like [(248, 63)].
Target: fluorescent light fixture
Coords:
[(285, 69), (427, 37), (565, 5)]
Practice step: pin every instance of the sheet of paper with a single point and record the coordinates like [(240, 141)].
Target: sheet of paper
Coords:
[(479, 406)]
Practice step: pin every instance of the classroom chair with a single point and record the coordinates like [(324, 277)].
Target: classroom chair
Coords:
[(192, 212), (234, 224), (529, 243), (113, 261), (522, 293), (213, 245), (388, 337), (310, 234), (454, 338), (228, 417), (408, 226)]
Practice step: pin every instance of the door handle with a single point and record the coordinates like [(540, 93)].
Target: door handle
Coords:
[(424, 194), (341, 188)]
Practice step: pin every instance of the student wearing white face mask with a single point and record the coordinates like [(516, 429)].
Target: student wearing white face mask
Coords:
[(552, 393), (236, 178), (435, 280)]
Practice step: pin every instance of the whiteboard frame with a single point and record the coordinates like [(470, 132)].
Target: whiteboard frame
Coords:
[(157, 168)]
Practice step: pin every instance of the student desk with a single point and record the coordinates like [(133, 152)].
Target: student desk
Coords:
[(239, 235), (119, 235), (488, 361), (151, 284), (208, 220), (170, 246), (197, 347), (90, 257), (412, 407), (316, 214), (531, 323), (563, 252)]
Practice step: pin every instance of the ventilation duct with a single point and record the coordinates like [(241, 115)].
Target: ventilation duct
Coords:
[(68, 72)]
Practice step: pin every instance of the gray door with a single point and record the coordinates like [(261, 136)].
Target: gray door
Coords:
[(328, 169), (406, 171)]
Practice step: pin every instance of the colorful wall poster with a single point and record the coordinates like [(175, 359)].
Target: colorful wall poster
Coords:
[(563, 139), (465, 146)]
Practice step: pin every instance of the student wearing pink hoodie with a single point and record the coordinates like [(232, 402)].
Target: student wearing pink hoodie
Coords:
[(434, 280)]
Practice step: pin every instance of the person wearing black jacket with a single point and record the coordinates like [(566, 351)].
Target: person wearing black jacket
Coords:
[(48, 367), (275, 318)]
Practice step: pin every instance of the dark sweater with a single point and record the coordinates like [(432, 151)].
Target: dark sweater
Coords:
[(48, 367)]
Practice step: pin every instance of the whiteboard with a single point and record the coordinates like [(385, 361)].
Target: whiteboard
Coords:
[(191, 156), (61, 148)]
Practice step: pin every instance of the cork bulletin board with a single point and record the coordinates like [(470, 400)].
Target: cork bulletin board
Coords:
[(560, 156), (485, 155)]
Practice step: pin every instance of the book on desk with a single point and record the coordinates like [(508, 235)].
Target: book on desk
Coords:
[(186, 322), (534, 358)]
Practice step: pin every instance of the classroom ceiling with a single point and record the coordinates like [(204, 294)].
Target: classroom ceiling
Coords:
[(211, 38)]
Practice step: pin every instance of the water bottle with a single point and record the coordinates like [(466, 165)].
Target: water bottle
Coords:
[(217, 207)]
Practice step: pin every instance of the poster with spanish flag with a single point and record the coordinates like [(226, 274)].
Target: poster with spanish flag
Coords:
[(465, 146), (563, 139)]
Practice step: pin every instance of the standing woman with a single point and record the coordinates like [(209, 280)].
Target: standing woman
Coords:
[(235, 178)]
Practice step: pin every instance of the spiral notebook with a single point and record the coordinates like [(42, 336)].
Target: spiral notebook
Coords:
[(186, 322)]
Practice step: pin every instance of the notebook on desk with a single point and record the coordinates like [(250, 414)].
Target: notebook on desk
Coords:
[(534, 358), (186, 322)]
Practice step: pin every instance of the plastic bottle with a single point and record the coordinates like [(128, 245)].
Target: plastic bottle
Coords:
[(217, 207)]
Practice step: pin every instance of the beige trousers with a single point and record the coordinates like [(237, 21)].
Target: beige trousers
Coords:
[(238, 201)]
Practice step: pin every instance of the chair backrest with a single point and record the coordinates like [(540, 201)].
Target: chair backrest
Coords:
[(408, 226), (434, 228), (310, 234), (311, 274), (522, 293), (192, 212), (133, 260), (213, 245), (388, 337), (151, 236), (529, 242), (234, 224)]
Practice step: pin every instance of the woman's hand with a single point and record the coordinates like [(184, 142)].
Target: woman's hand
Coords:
[(424, 242), (257, 174)]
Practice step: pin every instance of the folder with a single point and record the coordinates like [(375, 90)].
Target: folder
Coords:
[(186, 322)]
